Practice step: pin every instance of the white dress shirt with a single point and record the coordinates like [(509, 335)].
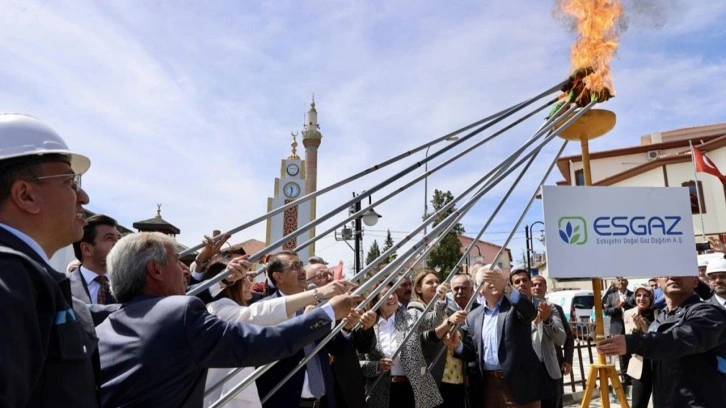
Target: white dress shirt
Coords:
[(267, 313), (389, 342), (93, 287)]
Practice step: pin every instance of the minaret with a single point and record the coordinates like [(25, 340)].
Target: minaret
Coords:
[(311, 138)]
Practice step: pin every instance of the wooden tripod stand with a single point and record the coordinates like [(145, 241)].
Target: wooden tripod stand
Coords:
[(595, 123)]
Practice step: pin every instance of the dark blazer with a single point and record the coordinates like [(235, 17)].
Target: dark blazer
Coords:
[(617, 326), (686, 350), (155, 351), (567, 351), (289, 394), (349, 381), (522, 370), (46, 354), (712, 300)]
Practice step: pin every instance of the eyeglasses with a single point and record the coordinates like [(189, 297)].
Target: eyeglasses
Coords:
[(75, 179), (295, 265)]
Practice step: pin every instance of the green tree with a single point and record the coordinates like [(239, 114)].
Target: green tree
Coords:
[(388, 244), (448, 251), (373, 252)]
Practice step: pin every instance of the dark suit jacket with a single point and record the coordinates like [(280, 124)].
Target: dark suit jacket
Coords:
[(155, 351), (617, 326), (46, 357), (349, 381), (522, 369), (567, 351), (712, 300), (289, 394)]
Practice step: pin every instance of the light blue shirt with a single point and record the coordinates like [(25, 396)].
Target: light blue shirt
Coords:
[(29, 241), (489, 338)]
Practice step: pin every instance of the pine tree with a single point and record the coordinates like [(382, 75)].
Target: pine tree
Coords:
[(388, 244), (373, 253), (448, 251)]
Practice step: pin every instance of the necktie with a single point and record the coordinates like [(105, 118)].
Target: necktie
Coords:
[(103, 292), (315, 373)]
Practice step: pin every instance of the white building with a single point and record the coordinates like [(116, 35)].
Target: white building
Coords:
[(663, 159)]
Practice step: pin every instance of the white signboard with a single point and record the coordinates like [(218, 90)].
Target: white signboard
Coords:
[(618, 231)]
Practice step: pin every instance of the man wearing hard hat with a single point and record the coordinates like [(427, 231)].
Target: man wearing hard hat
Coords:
[(46, 354), (716, 272)]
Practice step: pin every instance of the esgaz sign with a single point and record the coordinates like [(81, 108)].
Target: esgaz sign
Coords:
[(618, 231)]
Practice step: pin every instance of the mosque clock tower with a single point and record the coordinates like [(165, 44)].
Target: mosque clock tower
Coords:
[(297, 178)]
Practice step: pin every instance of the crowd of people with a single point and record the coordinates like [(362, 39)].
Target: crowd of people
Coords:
[(118, 330)]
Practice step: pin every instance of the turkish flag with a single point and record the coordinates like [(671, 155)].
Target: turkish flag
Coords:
[(705, 165), (337, 271)]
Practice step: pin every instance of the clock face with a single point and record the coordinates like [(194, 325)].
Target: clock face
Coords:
[(293, 169), (291, 190)]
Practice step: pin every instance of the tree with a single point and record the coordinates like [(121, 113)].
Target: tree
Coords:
[(373, 253), (388, 244), (448, 250)]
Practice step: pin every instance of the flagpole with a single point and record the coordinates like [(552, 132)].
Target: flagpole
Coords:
[(698, 191)]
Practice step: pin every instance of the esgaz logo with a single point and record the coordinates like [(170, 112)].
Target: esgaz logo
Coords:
[(573, 230), (617, 230)]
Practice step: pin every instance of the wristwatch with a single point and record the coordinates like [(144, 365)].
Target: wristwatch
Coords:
[(507, 290)]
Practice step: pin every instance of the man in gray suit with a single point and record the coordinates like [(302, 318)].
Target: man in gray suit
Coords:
[(548, 331), (716, 272), (89, 282), (155, 350)]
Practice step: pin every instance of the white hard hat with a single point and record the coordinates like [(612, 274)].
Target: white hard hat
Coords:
[(23, 135), (702, 262), (716, 265)]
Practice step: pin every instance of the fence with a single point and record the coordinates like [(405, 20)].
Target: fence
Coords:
[(584, 355)]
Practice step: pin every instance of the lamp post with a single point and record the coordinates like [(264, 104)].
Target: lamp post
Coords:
[(426, 186), (369, 218), (530, 247)]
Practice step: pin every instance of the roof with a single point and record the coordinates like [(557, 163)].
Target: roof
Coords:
[(681, 157), (702, 134), (157, 224)]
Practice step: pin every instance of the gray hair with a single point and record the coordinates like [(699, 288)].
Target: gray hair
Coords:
[(127, 262), (480, 272)]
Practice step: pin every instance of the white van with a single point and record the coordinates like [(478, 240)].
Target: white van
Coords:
[(579, 307)]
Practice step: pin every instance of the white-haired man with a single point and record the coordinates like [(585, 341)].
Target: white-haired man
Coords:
[(155, 351)]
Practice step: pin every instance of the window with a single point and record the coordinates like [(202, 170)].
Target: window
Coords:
[(695, 194), (579, 177)]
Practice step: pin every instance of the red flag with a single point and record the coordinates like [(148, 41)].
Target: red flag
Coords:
[(705, 165), (337, 271)]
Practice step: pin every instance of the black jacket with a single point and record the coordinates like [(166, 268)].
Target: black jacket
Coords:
[(349, 381), (683, 346), (46, 355), (617, 326), (523, 372)]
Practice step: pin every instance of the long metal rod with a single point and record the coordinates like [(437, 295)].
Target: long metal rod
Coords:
[(531, 200), (420, 177), (455, 217), (301, 230), (362, 288), (381, 165), (486, 225), (261, 370), (535, 152)]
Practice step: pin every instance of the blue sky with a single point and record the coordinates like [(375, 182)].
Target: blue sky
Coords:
[(191, 104)]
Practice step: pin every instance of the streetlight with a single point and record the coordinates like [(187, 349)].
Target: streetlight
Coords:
[(370, 218), (530, 246), (426, 186)]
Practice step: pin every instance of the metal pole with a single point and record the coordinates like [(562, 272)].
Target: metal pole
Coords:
[(426, 197), (526, 243), (358, 237)]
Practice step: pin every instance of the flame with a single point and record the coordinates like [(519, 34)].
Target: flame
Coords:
[(596, 40)]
